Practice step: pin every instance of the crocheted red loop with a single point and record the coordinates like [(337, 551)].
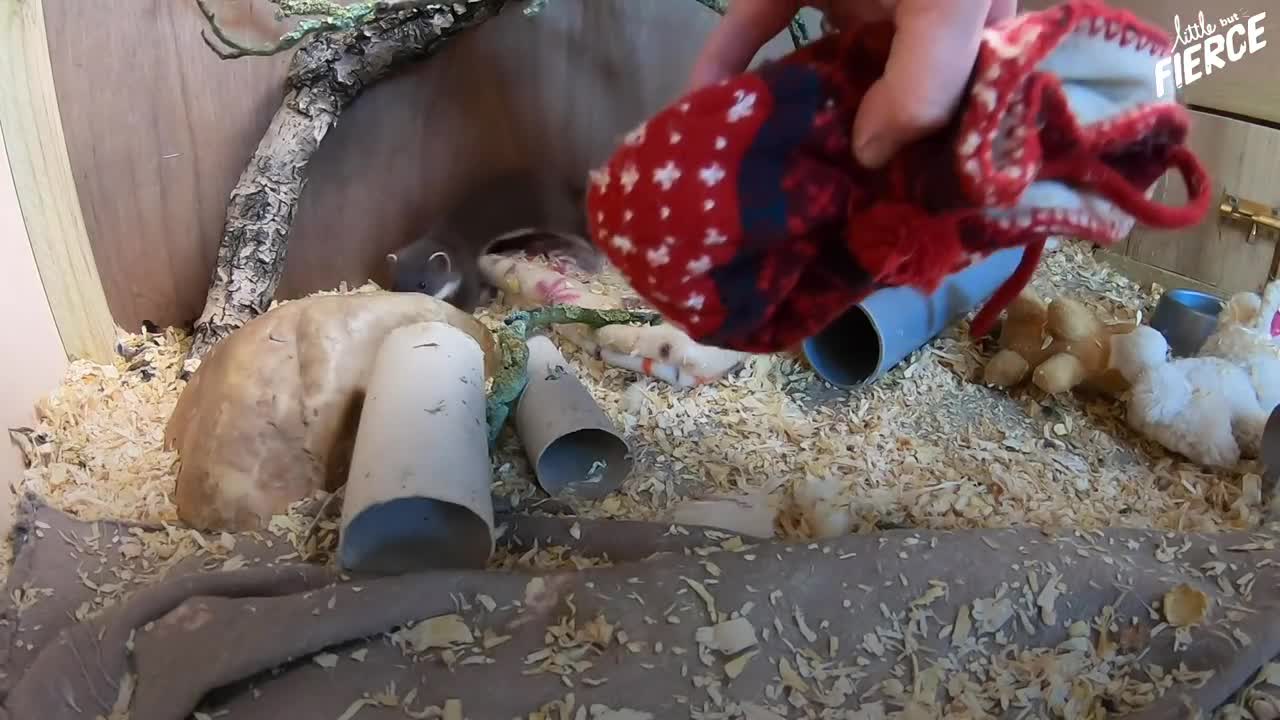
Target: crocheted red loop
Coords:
[(897, 245)]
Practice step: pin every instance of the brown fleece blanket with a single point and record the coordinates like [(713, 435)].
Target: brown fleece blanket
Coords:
[(907, 624)]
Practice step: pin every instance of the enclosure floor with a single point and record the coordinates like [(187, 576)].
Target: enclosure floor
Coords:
[(926, 446)]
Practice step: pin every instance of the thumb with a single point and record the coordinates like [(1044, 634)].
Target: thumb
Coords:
[(934, 48)]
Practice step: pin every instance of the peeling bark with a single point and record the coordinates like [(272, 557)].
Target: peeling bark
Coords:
[(325, 76)]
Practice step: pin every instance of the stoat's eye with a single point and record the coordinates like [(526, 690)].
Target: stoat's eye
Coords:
[(422, 285)]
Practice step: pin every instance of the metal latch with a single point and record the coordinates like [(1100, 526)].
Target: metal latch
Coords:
[(1254, 213)]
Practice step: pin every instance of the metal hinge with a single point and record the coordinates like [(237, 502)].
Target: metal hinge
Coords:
[(1254, 213)]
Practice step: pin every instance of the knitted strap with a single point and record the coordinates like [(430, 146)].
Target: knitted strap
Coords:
[(1110, 184)]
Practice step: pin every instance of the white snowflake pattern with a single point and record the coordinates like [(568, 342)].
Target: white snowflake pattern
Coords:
[(623, 244), (1007, 47), (658, 256), (669, 241), (675, 138), (711, 175), (743, 107), (667, 175), (635, 137), (714, 237), (684, 107), (664, 212), (699, 266), (599, 216), (627, 215), (600, 179), (986, 97), (630, 176), (695, 301), (721, 143), (708, 205)]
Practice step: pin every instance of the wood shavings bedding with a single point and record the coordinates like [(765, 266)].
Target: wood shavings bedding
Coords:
[(926, 446)]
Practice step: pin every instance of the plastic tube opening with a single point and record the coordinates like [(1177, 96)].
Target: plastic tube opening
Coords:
[(412, 534), (588, 463), (848, 352)]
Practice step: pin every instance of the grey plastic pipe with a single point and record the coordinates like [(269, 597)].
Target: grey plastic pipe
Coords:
[(875, 335), (418, 492), (574, 447)]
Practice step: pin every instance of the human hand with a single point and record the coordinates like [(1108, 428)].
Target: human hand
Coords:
[(934, 49)]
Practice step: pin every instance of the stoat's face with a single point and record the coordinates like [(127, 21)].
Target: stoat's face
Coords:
[(433, 276)]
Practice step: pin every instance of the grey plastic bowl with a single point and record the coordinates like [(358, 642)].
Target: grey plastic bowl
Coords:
[(1186, 318)]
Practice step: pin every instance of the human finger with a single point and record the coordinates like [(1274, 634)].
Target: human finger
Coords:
[(746, 26), (934, 48)]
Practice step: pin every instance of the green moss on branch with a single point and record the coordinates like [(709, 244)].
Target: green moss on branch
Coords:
[(511, 379)]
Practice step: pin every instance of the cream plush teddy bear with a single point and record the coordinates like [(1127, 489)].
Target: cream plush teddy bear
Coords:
[(1245, 336), (1204, 408)]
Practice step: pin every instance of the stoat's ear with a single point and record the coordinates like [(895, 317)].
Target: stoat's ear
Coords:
[(448, 262), (392, 259)]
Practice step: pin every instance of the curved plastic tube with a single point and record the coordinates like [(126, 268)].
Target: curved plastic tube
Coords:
[(875, 335), (418, 493)]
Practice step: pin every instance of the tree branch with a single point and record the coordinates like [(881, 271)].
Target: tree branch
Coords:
[(796, 28), (799, 33), (334, 18), (326, 75)]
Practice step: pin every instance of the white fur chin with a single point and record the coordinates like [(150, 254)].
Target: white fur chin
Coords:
[(447, 290)]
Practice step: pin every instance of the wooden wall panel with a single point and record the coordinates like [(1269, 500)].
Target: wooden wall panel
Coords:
[(159, 130), (1243, 159), (1246, 87)]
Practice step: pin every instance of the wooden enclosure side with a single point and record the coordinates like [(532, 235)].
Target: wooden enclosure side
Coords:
[(159, 130), (44, 191)]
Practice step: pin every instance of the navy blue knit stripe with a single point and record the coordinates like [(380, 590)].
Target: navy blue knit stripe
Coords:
[(798, 97), (763, 208)]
